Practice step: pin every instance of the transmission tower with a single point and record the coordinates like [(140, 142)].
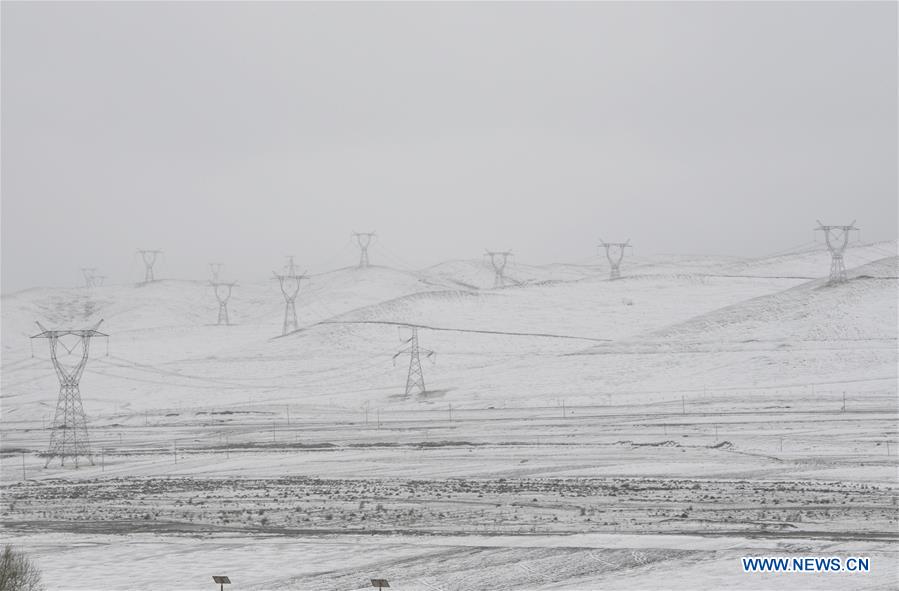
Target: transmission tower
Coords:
[(149, 257), (614, 253), (499, 260), (290, 287), (363, 239), (836, 238), (68, 436), (223, 294), (416, 379), (290, 267), (216, 269), (91, 279), (88, 273)]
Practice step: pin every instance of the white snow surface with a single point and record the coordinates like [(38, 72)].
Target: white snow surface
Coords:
[(762, 353)]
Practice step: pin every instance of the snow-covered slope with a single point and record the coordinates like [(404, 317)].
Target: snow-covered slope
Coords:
[(591, 308), (856, 311), (480, 274), (570, 334)]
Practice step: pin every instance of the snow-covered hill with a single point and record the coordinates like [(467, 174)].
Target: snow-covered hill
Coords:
[(559, 333)]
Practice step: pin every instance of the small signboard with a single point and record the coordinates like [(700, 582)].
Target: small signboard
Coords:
[(221, 581), (380, 583)]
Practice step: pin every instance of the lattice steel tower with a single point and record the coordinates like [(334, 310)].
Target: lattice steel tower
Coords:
[(89, 274), (836, 238), (415, 380), (149, 258), (614, 254), (363, 239), (223, 294), (216, 269), (68, 435), (91, 279), (499, 260), (290, 267), (290, 287)]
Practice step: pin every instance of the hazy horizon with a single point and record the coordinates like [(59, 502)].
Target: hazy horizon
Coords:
[(242, 132)]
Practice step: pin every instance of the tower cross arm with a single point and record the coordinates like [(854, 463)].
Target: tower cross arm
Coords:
[(836, 244), (55, 334)]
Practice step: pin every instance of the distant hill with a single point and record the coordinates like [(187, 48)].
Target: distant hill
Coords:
[(670, 324)]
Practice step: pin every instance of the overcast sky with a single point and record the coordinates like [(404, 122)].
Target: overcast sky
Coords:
[(242, 132)]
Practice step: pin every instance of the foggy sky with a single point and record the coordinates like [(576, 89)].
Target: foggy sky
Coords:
[(241, 132)]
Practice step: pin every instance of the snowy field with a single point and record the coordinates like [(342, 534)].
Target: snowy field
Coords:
[(576, 432)]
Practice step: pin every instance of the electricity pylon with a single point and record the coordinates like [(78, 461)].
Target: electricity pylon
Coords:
[(91, 279), (363, 239), (290, 287), (216, 269), (614, 253), (68, 436), (88, 273), (415, 379), (836, 244), (290, 267), (499, 268), (223, 294), (149, 257)]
